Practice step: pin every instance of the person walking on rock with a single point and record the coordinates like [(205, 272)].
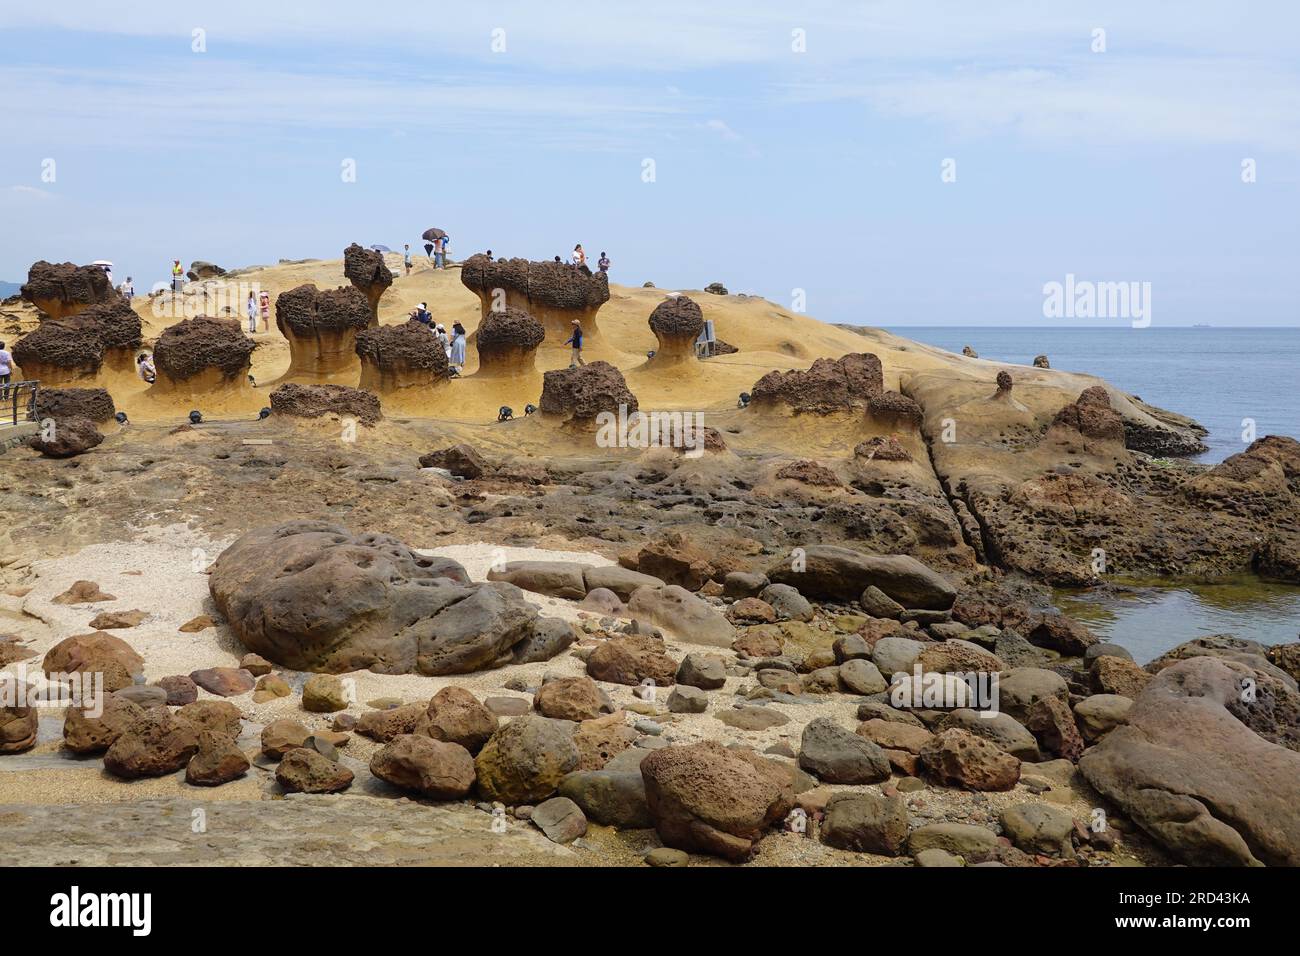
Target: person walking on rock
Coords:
[(406, 258), (576, 341), (440, 253), (458, 340), (127, 289)]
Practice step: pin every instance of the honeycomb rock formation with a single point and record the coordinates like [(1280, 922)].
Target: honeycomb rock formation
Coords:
[(78, 347), (314, 401), (366, 270), (676, 322), (395, 357), (202, 355), (507, 342), (580, 394), (552, 292), (94, 404), (830, 385), (322, 328), (63, 289)]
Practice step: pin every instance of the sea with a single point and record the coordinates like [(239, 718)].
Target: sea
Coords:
[(1237, 382)]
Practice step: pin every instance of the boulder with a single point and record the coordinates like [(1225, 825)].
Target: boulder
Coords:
[(787, 602), (384, 725), (19, 721), (1194, 776), (94, 404), (1040, 828), (547, 637), (431, 768), (455, 716), (632, 660), (956, 757), (60, 289), (224, 681), (525, 760), (1098, 715), (65, 438), (560, 819), (706, 798), (571, 698), (690, 618), (622, 581), (321, 328), (705, 671), (219, 716), (153, 744), (561, 579), (84, 734), (1002, 730), (392, 611), (323, 694), (836, 755), (842, 574), (218, 760), (96, 653), (580, 394), (1052, 724), (281, 736), (866, 823), (306, 771), (610, 798)]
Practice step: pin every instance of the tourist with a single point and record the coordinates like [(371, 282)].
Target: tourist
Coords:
[(178, 275), (603, 262), (127, 289), (144, 367), (423, 316), (6, 370), (406, 258), (264, 301), (440, 333), (252, 313), (559, 260), (489, 255), (458, 341), (576, 340), (579, 257), (440, 253)]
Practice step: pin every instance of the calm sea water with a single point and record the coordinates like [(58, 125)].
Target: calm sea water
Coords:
[(1219, 377)]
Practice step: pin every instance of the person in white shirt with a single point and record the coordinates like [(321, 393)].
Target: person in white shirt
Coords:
[(144, 366), (127, 289), (252, 313), (6, 369), (579, 257)]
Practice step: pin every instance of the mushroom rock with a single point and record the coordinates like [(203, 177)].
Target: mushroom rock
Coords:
[(1040, 361), (969, 352), (322, 328), (676, 322), (202, 355), (395, 357), (204, 270), (314, 401), (1090, 416), (366, 270), (94, 404), (894, 411), (63, 289), (552, 292), (507, 342), (78, 347), (850, 381), (580, 394)]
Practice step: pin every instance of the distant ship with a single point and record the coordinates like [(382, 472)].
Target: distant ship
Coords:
[(1201, 326)]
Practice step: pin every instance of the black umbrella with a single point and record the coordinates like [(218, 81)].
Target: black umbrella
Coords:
[(432, 234)]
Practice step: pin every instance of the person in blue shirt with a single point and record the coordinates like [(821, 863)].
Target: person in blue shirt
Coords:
[(576, 341)]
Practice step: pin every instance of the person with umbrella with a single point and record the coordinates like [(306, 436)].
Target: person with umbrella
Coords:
[(431, 237)]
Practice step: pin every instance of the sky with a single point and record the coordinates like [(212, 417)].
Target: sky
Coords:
[(890, 163)]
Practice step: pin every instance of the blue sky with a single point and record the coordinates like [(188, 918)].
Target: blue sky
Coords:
[(775, 169)]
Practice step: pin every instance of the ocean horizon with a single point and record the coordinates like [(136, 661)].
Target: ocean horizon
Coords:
[(1223, 377)]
